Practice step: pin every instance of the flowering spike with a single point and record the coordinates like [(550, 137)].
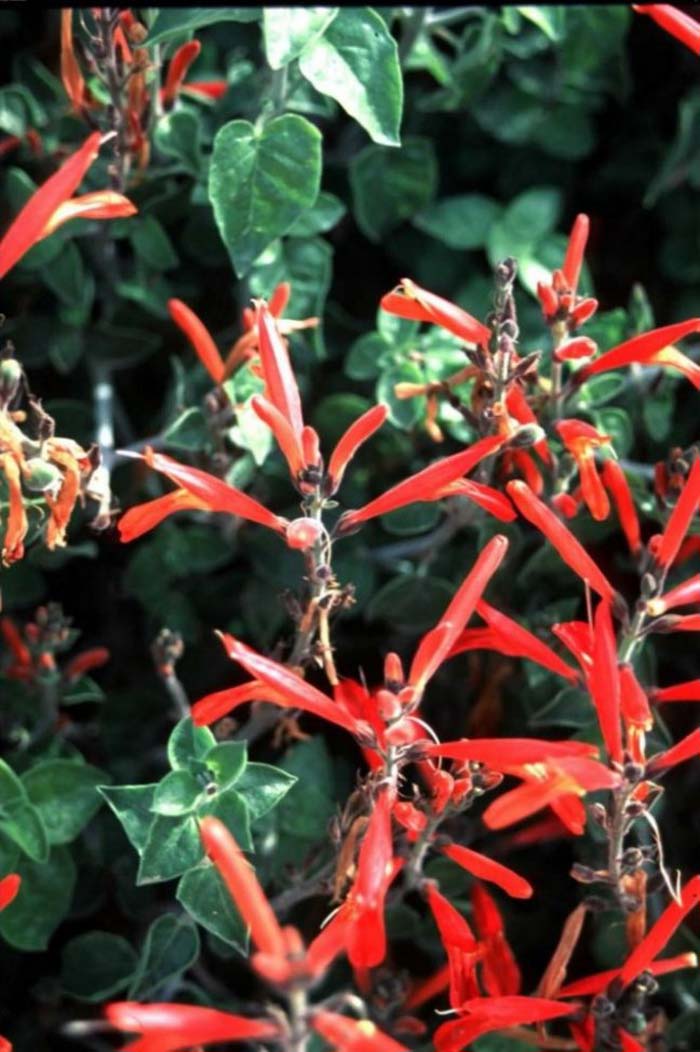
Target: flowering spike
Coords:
[(436, 644), (560, 537), (289, 690), (200, 338), (287, 440), (681, 517), (280, 385), (242, 884), (144, 517), (604, 681), (9, 887), (573, 260), (29, 224), (177, 71), (171, 1027), (217, 495), (660, 933), (677, 23), (356, 435), (425, 485), (484, 868), (411, 301)]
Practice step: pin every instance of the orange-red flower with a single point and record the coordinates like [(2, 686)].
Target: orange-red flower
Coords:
[(676, 22), (604, 681), (500, 973), (485, 1014), (174, 1027), (9, 888), (686, 749), (595, 984), (144, 517), (348, 444), (651, 348), (409, 300), (200, 338), (681, 518), (615, 482), (660, 933), (561, 538), (688, 691), (71, 76), (460, 946), (352, 1035), (177, 71), (581, 440), (484, 868)]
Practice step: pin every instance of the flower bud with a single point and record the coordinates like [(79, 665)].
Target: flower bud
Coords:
[(303, 533), (10, 377), (40, 475)]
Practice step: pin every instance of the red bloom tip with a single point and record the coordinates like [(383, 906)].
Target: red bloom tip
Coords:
[(677, 23), (515, 641), (9, 886), (280, 298), (171, 1027), (177, 70), (574, 349), (287, 440), (686, 749), (352, 1035), (561, 538), (688, 691), (460, 945), (604, 681), (499, 969), (30, 223), (484, 868), (102, 204), (280, 385), (72, 78), (485, 1014), (212, 707), (660, 933), (596, 984), (96, 657), (651, 348), (436, 644), (503, 753), (411, 301), (615, 481), (198, 335), (573, 261), (243, 887), (681, 518), (144, 517), (208, 89), (581, 440), (356, 435)]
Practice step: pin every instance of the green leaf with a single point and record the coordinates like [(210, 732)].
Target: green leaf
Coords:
[(389, 186), (188, 431), (323, 215), (288, 30), (171, 22), (461, 222), (526, 220), (251, 433), (261, 181), (205, 897), (176, 794), (96, 966), (19, 819), (65, 795), (551, 20), (173, 846), (356, 62), (227, 762), (615, 422), (132, 805), (178, 135), (263, 787), (404, 412), (82, 690), (152, 244), (415, 519), (367, 355), (170, 947), (230, 808), (188, 744), (411, 602), (42, 903)]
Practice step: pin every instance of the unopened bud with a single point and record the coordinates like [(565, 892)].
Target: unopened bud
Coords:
[(10, 377), (40, 475), (393, 672), (303, 533)]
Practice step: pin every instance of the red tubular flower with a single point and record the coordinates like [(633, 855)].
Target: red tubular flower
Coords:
[(581, 440), (102, 204), (212, 707), (409, 300), (596, 984), (688, 691), (573, 260), (9, 887), (425, 485), (460, 946), (242, 884), (208, 89), (280, 386), (15, 643), (144, 517), (29, 224), (288, 689), (499, 969), (689, 623), (356, 435), (660, 933), (574, 349), (217, 495), (648, 349), (90, 659), (501, 753), (519, 407), (491, 500), (516, 641), (615, 481), (604, 681), (72, 78), (529, 798), (485, 1014), (279, 299), (352, 1035), (287, 440), (681, 517), (174, 1027), (484, 868), (686, 749), (200, 338), (436, 644), (635, 710), (177, 71), (682, 595), (677, 23), (561, 538)]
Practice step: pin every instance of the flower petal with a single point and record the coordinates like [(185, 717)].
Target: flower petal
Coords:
[(200, 338), (486, 869)]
